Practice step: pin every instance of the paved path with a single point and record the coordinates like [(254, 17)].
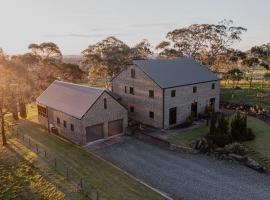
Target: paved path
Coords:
[(184, 176)]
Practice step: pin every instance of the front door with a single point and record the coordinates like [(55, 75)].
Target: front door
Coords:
[(172, 115), (194, 108), (212, 104)]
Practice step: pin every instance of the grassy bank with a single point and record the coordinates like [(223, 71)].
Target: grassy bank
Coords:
[(111, 182), (259, 148)]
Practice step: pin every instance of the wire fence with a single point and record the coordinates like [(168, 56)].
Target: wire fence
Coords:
[(70, 174)]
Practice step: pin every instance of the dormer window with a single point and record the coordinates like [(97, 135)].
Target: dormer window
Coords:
[(132, 73)]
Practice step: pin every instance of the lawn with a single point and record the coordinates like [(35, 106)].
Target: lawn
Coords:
[(21, 177), (246, 96), (253, 96), (111, 182), (259, 148)]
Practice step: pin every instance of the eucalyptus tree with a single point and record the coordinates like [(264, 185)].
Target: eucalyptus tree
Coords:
[(201, 40)]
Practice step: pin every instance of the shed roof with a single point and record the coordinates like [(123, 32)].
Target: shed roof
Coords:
[(177, 72), (72, 99)]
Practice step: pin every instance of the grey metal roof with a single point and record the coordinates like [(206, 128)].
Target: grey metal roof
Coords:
[(177, 72), (69, 98)]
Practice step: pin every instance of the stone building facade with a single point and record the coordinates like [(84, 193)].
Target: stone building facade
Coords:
[(102, 116), (154, 96)]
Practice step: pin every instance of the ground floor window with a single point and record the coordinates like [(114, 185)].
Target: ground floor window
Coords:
[(71, 127), (151, 115)]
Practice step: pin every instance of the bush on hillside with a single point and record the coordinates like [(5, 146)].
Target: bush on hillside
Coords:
[(219, 133), (239, 130)]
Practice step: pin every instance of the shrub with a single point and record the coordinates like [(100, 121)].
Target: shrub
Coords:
[(239, 130), (190, 120), (23, 112), (219, 133), (236, 148)]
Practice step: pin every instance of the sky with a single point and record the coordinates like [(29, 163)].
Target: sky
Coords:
[(75, 24)]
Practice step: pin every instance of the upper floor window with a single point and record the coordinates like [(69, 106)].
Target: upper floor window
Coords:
[(58, 120), (131, 90), (132, 73), (151, 93), (71, 127), (151, 115), (65, 123), (173, 92), (194, 89), (213, 86), (105, 103), (125, 89), (131, 108)]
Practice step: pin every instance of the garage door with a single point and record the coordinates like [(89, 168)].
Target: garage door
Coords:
[(94, 132), (115, 127)]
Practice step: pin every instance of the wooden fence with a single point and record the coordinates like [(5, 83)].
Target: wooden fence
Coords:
[(60, 166)]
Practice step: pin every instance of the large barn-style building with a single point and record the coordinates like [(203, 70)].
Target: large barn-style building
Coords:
[(80, 113), (163, 93)]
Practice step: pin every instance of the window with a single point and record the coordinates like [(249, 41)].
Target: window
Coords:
[(213, 86), (65, 124), (42, 111), (131, 90), (131, 108), (105, 103), (71, 127), (173, 93), (151, 93), (194, 89), (58, 120), (151, 115), (132, 73), (125, 89)]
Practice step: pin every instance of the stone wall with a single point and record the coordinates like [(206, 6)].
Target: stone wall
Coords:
[(97, 114), (75, 136), (141, 101), (184, 97)]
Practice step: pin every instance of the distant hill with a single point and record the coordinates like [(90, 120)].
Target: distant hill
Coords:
[(74, 59)]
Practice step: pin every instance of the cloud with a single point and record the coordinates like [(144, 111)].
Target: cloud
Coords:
[(78, 35), (162, 25)]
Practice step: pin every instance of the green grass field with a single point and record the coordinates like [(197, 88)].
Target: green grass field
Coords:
[(259, 148), (252, 96), (108, 180)]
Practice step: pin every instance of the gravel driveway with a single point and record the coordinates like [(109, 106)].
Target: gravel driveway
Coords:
[(185, 176)]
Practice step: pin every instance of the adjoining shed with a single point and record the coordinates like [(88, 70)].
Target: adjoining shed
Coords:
[(81, 114)]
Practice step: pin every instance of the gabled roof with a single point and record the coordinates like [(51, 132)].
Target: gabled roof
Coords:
[(177, 72), (72, 99)]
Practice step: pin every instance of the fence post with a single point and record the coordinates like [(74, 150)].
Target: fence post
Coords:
[(29, 142), (45, 153), (97, 195), (81, 183), (37, 147), (55, 163), (67, 173)]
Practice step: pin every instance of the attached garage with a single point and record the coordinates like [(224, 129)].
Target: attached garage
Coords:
[(115, 127), (95, 132), (80, 113)]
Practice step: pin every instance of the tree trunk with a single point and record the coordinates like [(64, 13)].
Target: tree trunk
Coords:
[(3, 132)]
